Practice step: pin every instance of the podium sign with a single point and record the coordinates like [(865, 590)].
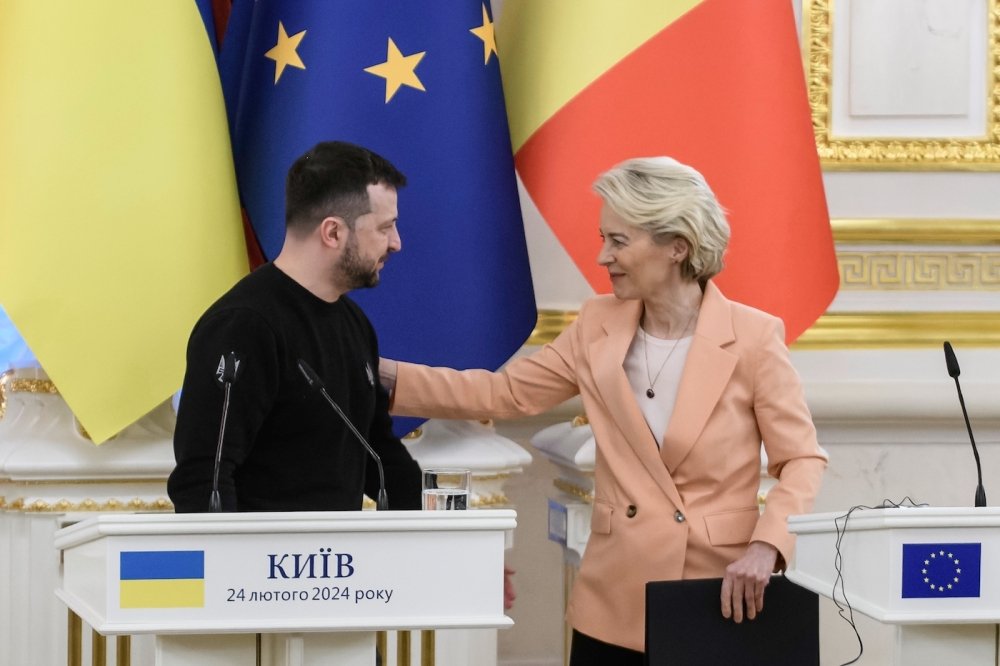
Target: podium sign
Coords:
[(286, 572), (933, 571), (887, 553)]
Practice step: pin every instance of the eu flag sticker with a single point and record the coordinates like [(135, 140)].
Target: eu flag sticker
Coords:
[(162, 579), (941, 570)]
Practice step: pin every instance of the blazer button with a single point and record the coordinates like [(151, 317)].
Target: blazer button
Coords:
[(631, 511), (679, 517)]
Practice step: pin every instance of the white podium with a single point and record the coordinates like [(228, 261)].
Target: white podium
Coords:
[(315, 586), (932, 572)]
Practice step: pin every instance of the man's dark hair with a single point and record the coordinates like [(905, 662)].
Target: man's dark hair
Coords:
[(332, 178)]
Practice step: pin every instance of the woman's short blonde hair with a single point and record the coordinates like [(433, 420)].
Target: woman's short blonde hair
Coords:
[(669, 199)]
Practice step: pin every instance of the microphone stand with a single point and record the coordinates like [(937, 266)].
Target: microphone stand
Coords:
[(229, 368), (215, 501), (382, 501), (953, 369)]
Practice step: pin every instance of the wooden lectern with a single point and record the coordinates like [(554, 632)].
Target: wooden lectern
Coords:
[(932, 572), (316, 586)]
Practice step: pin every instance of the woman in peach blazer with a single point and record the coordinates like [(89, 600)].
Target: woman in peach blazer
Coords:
[(680, 386)]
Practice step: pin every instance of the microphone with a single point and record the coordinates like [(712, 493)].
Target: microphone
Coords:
[(226, 373), (954, 371), (382, 502)]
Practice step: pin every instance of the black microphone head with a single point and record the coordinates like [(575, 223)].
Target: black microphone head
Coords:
[(233, 366), (951, 361), (311, 377)]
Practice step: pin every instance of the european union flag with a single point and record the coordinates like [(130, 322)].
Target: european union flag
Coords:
[(941, 570), (419, 83)]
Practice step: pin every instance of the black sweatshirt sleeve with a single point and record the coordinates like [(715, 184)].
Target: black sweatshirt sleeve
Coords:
[(200, 413)]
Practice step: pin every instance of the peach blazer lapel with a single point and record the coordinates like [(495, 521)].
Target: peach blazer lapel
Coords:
[(707, 371), (607, 356)]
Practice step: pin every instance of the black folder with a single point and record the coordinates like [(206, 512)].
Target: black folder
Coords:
[(685, 627)]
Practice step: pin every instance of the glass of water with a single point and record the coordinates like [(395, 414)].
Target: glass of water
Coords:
[(446, 489)]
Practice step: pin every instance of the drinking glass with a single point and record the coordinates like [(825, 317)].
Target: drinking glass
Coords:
[(446, 489)]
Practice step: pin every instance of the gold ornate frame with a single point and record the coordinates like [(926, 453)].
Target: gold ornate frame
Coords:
[(856, 154), (879, 330)]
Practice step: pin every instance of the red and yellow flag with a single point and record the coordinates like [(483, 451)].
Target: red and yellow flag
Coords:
[(717, 84)]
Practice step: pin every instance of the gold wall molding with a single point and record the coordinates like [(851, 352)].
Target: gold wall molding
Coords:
[(881, 330), (11, 383), (550, 323), (894, 153), (890, 271), (574, 490), (878, 330), (91, 505), (919, 271), (117, 481), (492, 501), (909, 231)]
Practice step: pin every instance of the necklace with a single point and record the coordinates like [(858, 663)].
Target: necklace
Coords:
[(650, 393)]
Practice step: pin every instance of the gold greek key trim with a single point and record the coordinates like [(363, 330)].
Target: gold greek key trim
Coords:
[(919, 271), (893, 153), (574, 490), (967, 271), (113, 504), (916, 231)]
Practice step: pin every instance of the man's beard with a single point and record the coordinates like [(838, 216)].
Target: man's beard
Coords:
[(356, 274)]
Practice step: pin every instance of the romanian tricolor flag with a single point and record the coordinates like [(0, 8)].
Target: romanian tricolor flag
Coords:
[(162, 579), (717, 84)]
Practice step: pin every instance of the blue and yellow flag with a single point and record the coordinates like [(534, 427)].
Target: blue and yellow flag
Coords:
[(939, 570), (162, 579), (119, 220), (418, 83)]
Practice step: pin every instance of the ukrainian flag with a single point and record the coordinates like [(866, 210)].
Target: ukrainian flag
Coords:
[(162, 579)]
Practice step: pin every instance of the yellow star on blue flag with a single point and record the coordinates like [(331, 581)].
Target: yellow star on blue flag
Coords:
[(284, 53), (398, 70), (416, 83)]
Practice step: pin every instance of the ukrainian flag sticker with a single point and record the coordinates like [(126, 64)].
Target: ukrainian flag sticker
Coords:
[(162, 579)]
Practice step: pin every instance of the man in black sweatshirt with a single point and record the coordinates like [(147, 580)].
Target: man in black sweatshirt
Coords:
[(285, 448)]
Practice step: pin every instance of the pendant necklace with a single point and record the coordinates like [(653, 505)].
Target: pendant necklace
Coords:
[(650, 393)]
